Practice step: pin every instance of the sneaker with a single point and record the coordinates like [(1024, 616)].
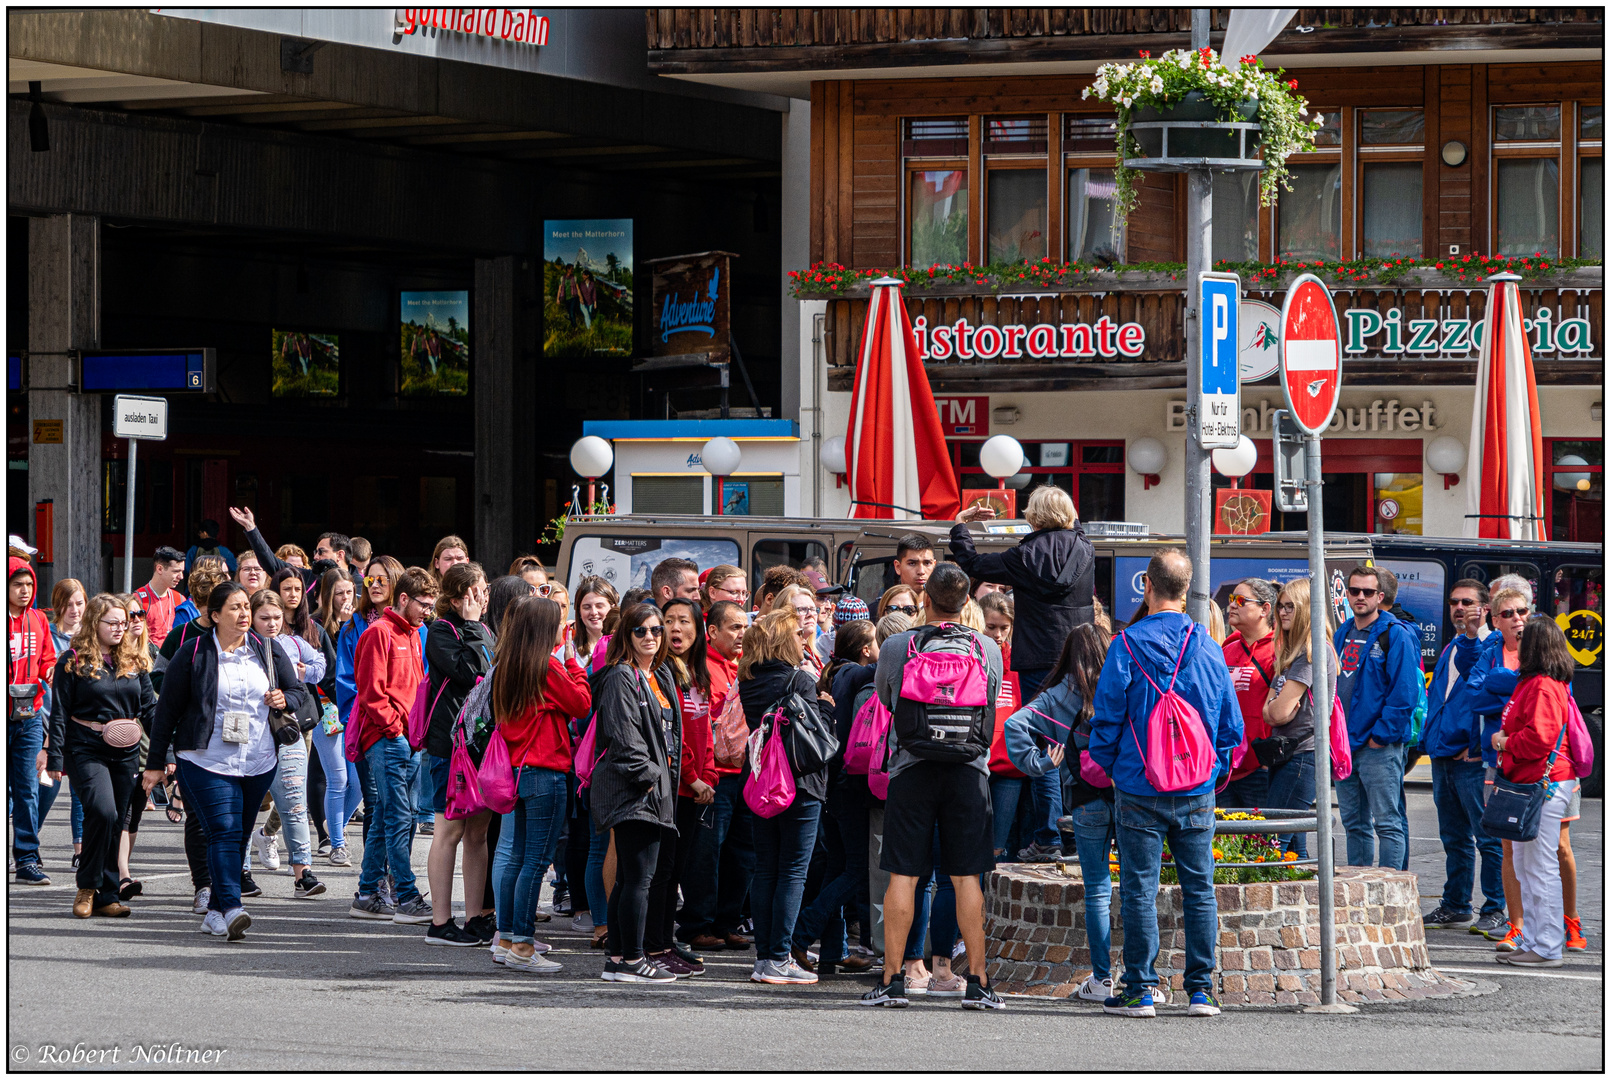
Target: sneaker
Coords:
[(535, 963), (236, 922), (413, 912), (1442, 918), (267, 849), (1160, 995), (541, 946), (1575, 941), (388, 890), (692, 961), (1528, 958), (29, 873), (484, 927), (1508, 943), (582, 922), (891, 994), (919, 986), (1203, 1004), (1491, 925), (1039, 853), (642, 970), (1130, 1004), (562, 902), (793, 974), (1095, 989), (371, 907), (204, 897), (214, 924), (249, 887), (951, 985), (323, 850), (450, 933), (427, 829), (340, 856), (500, 951), (672, 963), (980, 996), (308, 886)]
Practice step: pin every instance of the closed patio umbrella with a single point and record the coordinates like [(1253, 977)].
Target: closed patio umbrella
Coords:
[(1507, 446)]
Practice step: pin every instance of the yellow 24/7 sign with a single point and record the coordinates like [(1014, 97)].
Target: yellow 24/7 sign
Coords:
[(1585, 634)]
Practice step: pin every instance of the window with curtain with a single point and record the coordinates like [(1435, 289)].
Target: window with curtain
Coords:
[(1236, 216), (1528, 211), (1015, 215), (1091, 237), (1310, 215), (1591, 208), (937, 216), (1391, 209)]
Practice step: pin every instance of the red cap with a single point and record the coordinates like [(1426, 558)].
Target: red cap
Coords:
[(703, 574)]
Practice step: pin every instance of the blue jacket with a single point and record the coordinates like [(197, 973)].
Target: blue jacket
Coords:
[(346, 660), (1490, 684), (1124, 699), (1052, 716), (1385, 691), (184, 612), (1451, 726)]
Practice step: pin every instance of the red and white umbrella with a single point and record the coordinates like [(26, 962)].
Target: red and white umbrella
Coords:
[(896, 456), (1507, 445)]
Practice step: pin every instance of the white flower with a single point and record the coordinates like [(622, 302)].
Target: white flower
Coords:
[(1303, 112), (1127, 102)]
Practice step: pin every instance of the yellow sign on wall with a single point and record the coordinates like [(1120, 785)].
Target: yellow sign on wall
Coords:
[(47, 431)]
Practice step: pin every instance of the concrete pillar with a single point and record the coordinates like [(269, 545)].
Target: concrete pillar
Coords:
[(503, 379), (64, 314), (795, 220)]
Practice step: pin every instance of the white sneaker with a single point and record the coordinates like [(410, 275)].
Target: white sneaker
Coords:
[(1094, 989), (204, 896), (236, 922), (500, 952), (582, 923), (267, 848), (214, 924), (536, 962)]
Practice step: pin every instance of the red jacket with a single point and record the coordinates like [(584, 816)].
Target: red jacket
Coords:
[(1007, 703), (1248, 671), (698, 753), (388, 667), (1532, 720), (723, 673), (32, 658), (158, 612), (540, 736)]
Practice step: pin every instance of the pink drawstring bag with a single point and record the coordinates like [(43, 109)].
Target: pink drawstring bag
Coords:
[(419, 714), (878, 769), (587, 754), (1342, 753), (1092, 773), (1179, 753), (492, 786), (1579, 746), (867, 733), (770, 789)]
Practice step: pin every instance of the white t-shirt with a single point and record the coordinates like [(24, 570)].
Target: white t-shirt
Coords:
[(242, 684)]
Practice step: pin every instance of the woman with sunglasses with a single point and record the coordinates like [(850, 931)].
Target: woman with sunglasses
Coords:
[(1491, 683), (900, 599), (101, 686), (342, 792), (1289, 707), (635, 779), (139, 638), (1250, 654)]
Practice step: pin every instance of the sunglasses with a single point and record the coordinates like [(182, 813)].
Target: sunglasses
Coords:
[(646, 631), (1362, 592), (1511, 613), (544, 590), (1237, 600), (1462, 601), (904, 609), (376, 580)]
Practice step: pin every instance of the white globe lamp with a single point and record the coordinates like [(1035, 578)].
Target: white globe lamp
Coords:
[(832, 455), (1147, 456), (1001, 456), (1236, 461), (1446, 455), (721, 457), (1571, 481), (591, 457)]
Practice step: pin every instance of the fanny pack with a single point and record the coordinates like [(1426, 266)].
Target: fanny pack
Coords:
[(1275, 751), (119, 734)]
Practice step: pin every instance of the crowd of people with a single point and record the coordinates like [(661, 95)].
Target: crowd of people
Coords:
[(817, 777)]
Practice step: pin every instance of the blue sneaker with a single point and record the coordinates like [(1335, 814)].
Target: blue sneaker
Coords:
[(1138, 1003), (1203, 1004), (29, 873)]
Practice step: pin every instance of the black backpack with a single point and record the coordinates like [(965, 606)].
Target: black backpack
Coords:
[(944, 712)]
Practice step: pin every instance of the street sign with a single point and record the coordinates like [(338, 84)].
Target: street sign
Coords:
[(1291, 494), (1219, 412), (139, 417), (1311, 354)]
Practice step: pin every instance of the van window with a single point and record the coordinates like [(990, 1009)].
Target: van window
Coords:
[(1485, 572), (1578, 605), (796, 553), (628, 561), (870, 577)]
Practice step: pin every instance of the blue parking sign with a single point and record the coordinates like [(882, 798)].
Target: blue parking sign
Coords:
[(1219, 411)]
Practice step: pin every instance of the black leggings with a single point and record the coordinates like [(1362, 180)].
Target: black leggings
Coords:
[(580, 827), (105, 779), (201, 877), (316, 786), (669, 871), (637, 850)]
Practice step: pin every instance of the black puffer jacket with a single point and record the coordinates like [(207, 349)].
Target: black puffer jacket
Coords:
[(639, 746), (769, 682), (1053, 577)]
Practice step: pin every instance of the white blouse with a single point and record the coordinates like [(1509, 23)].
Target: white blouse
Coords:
[(242, 685)]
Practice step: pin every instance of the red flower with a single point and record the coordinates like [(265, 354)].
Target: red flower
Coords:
[(1145, 55), (1292, 84), (1440, 266), (1249, 59)]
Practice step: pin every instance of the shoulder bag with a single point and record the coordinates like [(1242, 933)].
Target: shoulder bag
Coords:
[(1514, 810), (283, 725)]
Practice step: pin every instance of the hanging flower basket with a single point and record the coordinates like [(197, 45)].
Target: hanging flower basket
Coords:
[(1229, 113)]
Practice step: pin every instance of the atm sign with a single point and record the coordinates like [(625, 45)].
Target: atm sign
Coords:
[(964, 417)]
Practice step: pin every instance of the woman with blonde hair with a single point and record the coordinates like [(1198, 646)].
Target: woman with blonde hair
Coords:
[(724, 582), (67, 603), (1290, 708), (138, 637), (800, 601), (102, 701), (900, 599)]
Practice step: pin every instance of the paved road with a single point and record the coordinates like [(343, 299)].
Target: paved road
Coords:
[(312, 989)]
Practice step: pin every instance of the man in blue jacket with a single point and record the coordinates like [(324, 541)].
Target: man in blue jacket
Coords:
[(1139, 667), (1452, 737), (1379, 683)]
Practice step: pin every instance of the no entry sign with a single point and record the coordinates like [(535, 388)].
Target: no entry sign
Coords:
[(1311, 354)]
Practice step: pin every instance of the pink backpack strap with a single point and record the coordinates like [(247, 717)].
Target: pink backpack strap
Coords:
[(1182, 657), (1125, 638), (1053, 719)]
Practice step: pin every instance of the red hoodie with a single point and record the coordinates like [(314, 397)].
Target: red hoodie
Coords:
[(33, 652), (1532, 721), (1248, 670), (388, 668), (540, 736), (698, 755)]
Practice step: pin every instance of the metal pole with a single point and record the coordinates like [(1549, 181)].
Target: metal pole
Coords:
[(1320, 648), (1199, 485), (128, 522)]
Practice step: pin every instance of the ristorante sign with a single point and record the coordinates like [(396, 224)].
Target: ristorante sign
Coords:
[(961, 340), (521, 25)]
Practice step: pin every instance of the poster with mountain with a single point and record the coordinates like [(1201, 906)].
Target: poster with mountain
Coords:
[(435, 343), (587, 288), (304, 364)]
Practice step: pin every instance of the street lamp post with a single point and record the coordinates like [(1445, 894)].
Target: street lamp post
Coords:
[(721, 457), (591, 457), (1001, 456)]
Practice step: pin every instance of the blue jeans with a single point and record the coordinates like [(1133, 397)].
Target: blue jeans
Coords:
[(783, 847), (1457, 794), (228, 809), (525, 848), (721, 867), (1371, 803), (424, 791), (1046, 791), (391, 773), (1093, 839), (24, 740), (598, 900), (1250, 792), (1292, 787), (47, 799), (1187, 823), (342, 789), (290, 794), (1013, 815), (845, 834)]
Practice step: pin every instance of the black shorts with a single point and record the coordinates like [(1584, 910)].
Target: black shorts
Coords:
[(955, 797)]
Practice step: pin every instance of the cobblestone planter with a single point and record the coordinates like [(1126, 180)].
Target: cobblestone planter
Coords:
[(1269, 937)]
